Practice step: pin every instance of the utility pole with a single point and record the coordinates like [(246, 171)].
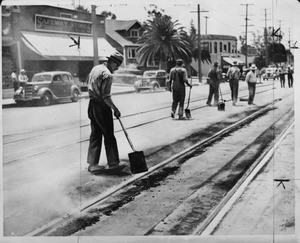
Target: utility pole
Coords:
[(266, 38), (95, 35), (206, 17), (199, 42), (246, 37)]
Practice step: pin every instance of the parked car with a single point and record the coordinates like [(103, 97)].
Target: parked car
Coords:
[(47, 87), (152, 80), (271, 73)]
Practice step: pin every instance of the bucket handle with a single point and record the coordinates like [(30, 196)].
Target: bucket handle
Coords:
[(126, 134), (189, 94)]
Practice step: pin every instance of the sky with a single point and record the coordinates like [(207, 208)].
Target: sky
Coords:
[(225, 17)]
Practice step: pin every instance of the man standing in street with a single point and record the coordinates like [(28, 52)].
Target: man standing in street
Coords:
[(213, 79), (100, 113), (23, 79), (233, 75), (251, 80), (290, 76), (14, 80), (178, 75)]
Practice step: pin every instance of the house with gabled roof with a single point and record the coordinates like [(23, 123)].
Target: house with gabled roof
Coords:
[(123, 36)]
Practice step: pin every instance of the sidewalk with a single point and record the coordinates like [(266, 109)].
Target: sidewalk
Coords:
[(8, 100)]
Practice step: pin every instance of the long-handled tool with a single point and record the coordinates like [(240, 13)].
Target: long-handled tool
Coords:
[(137, 158), (221, 104), (187, 110)]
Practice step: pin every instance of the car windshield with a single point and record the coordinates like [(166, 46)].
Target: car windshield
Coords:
[(41, 77), (149, 74)]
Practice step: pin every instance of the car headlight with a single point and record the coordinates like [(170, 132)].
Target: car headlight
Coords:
[(35, 88)]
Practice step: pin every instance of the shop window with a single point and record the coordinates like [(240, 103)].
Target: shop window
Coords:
[(225, 48), (229, 47), (221, 47), (215, 47)]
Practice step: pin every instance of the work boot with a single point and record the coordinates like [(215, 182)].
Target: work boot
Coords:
[(172, 114), (118, 166), (95, 168)]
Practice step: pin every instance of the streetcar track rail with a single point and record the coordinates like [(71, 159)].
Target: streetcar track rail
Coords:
[(184, 153), (208, 226), (15, 160), (125, 116)]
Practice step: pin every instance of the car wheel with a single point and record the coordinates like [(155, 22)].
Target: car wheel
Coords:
[(75, 96), (46, 99), (155, 87)]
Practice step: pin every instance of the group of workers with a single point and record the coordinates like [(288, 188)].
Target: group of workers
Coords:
[(19, 80)]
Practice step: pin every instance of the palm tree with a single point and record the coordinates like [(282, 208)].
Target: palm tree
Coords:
[(163, 40)]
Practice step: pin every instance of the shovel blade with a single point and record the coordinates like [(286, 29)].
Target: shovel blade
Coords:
[(188, 113), (137, 162)]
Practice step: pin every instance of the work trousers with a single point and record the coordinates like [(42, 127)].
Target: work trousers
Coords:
[(16, 85), (178, 97), (213, 91), (234, 87), (251, 88), (102, 126), (282, 80), (290, 80)]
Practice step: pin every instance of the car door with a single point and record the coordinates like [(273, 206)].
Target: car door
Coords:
[(67, 83), (57, 85)]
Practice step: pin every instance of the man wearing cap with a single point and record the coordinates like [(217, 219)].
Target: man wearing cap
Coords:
[(178, 75), (22, 77), (213, 79), (233, 75), (100, 113), (251, 80)]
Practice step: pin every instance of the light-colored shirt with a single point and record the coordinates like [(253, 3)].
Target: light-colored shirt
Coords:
[(175, 74), (14, 77), (23, 78), (100, 82), (251, 77)]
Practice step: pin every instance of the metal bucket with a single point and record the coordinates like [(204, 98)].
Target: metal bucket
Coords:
[(221, 106), (137, 162)]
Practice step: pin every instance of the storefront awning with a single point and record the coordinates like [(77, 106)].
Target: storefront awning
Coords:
[(57, 47), (230, 60)]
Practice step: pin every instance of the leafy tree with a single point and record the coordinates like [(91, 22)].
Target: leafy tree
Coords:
[(276, 52), (163, 40), (260, 62), (107, 15), (82, 8)]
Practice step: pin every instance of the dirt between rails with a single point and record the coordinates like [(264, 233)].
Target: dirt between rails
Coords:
[(226, 180)]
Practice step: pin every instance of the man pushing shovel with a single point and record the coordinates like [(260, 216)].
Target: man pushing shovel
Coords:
[(100, 113)]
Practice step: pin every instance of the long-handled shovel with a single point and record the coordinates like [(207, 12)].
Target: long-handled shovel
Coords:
[(187, 110), (137, 158)]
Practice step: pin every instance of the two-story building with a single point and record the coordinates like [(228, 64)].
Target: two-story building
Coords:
[(123, 35), (222, 49), (47, 38)]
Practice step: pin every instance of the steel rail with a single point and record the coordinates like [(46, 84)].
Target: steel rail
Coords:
[(215, 217)]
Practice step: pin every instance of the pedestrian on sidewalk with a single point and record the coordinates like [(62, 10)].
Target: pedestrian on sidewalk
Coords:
[(233, 75), (251, 80), (213, 79), (282, 77), (14, 79), (178, 75), (290, 76), (100, 114), (23, 79)]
